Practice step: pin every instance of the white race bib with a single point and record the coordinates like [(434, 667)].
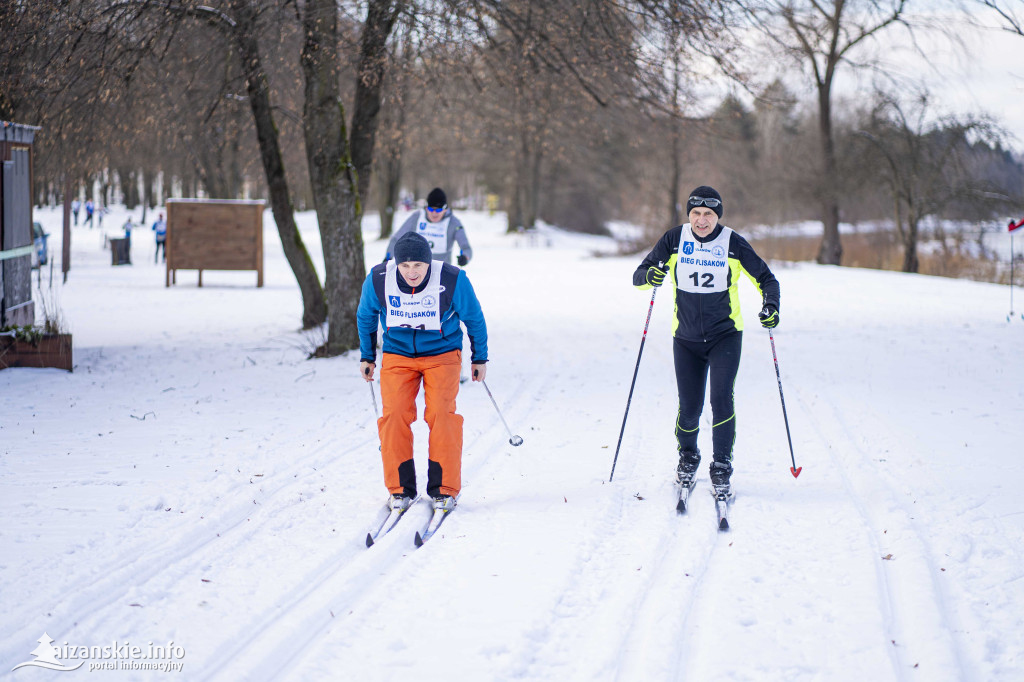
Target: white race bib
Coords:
[(421, 310), (435, 233), (703, 268)]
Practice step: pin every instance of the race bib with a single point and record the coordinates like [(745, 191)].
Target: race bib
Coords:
[(435, 233), (421, 310), (703, 268)]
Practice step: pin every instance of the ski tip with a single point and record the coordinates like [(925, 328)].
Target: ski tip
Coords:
[(419, 539), (680, 507), (723, 525), (369, 540), (795, 471)]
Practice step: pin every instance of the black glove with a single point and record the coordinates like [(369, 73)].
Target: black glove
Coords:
[(462, 260), (769, 316), (655, 276)]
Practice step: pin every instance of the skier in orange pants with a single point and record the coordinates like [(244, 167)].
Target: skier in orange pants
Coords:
[(421, 304)]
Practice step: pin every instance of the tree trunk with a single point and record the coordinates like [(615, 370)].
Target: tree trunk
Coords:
[(314, 307), (331, 175), (831, 251), (390, 180), (910, 261), (339, 168), (533, 188), (130, 188), (674, 207)]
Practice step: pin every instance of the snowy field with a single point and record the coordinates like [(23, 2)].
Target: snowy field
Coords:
[(197, 485)]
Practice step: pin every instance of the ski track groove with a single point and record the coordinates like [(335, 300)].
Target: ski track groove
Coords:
[(305, 612), (892, 600), (655, 624), (89, 603), (291, 625)]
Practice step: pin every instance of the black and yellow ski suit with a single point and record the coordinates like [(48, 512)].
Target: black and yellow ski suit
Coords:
[(707, 329)]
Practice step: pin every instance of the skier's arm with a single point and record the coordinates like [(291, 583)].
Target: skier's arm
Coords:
[(460, 236), (757, 270), (663, 253), (467, 306), (367, 320)]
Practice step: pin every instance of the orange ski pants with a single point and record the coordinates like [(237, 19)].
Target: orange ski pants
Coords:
[(400, 379)]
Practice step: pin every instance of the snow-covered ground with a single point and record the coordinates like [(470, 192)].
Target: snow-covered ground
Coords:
[(197, 485)]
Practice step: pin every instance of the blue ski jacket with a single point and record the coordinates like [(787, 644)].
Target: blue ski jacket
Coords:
[(459, 305)]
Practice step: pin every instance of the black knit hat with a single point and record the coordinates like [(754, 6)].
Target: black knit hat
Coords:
[(437, 198), (704, 192), (412, 247)]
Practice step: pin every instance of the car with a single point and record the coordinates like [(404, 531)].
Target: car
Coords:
[(40, 254)]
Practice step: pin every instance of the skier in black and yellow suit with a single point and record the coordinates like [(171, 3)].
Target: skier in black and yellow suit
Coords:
[(703, 259)]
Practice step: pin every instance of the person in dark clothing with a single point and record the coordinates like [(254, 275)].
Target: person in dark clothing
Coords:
[(703, 260)]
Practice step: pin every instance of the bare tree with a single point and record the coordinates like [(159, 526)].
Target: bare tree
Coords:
[(925, 165), (820, 35), (1009, 13)]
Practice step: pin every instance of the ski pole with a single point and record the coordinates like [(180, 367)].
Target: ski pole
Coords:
[(513, 440), (373, 395), (650, 308), (795, 470)]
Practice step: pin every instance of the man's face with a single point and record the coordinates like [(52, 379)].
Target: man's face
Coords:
[(703, 220), (413, 271), (433, 215)]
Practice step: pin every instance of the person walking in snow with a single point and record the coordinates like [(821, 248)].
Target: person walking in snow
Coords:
[(439, 226), (160, 228), (76, 206), (420, 302), (703, 260), (89, 209)]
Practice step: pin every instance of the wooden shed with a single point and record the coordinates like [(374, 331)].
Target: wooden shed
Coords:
[(214, 234), (16, 239)]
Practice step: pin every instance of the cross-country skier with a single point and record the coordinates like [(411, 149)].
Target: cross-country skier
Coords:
[(703, 260), (421, 303), (439, 226)]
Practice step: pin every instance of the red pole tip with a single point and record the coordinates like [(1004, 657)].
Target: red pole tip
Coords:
[(796, 471)]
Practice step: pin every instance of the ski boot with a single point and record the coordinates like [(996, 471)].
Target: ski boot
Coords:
[(720, 474), (400, 502), (686, 471), (442, 502)]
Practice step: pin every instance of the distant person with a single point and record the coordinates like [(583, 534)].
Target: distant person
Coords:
[(128, 225), (160, 228), (439, 226), (421, 303), (702, 260), (89, 210), (76, 206)]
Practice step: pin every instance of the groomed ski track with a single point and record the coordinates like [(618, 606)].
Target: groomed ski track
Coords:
[(874, 564)]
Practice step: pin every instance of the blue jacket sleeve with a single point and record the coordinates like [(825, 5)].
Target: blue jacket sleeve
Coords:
[(368, 320), (467, 307)]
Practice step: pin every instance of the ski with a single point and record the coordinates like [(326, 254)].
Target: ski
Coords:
[(722, 501), (390, 521), (436, 519), (685, 488)]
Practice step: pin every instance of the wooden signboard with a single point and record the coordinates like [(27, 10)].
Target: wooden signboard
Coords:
[(214, 234)]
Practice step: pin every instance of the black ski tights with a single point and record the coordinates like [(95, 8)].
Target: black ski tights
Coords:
[(693, 359)]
